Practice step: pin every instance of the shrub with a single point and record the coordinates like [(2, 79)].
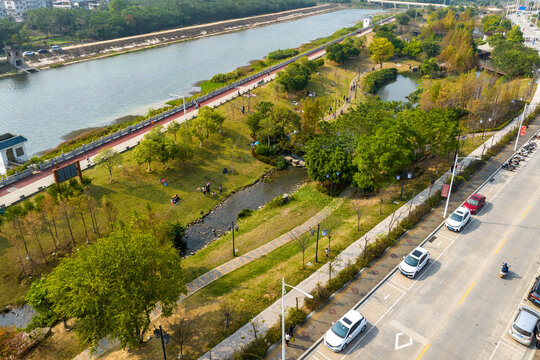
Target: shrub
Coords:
[(282, 54), (281, 163), (434, 199), (245, 213), (406, 224), (375, 80), (265, 150), (278, 201)]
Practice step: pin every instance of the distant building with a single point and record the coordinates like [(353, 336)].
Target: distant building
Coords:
[(70, 4), (14, 55), (17, 8), (367, 22), (12, 151), (3, 12)]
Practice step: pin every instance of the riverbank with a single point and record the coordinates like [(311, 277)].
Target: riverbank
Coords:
[(103, 49)]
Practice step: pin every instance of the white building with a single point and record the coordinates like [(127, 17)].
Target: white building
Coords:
[(17, 8), (3, 12), (12, 151)]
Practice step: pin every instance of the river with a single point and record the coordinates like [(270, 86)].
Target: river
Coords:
[(45, 106)]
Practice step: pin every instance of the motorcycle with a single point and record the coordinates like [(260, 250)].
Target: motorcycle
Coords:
[(508, 166), (504, 270)]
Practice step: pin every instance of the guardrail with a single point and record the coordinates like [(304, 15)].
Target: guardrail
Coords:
[(106, 139)]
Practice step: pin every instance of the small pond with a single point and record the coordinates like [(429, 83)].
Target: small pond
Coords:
[(399, 89), (219, 220), (19, 317)]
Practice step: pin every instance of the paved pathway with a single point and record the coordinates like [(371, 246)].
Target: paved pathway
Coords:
[(228, 267)]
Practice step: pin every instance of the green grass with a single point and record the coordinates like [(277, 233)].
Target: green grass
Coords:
[(261, 227)]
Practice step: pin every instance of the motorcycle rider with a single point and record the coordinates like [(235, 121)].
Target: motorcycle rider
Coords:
[(505, 268)]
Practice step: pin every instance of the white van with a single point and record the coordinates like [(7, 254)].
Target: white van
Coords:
[(56, 48)]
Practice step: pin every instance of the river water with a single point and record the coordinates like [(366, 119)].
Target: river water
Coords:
[(45, 106)]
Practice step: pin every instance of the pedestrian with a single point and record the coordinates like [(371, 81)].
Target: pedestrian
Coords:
[(204, 191), (327, 252), (202, 214), (291, 330), (220, 189), (208, 186), (287, 338)]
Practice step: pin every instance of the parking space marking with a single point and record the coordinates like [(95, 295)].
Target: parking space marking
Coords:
[(512, 346), (326, 357), (467, 293), (500, 246), (423, 352), (397, 285)]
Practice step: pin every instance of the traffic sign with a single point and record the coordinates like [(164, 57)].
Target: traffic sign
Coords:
[(523, 129)]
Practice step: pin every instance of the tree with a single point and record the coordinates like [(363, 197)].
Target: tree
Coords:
[(175, 231), (515, 35), (173, 128), (430, 67), (303, 241), (182, 332), (37, 297), (112, 287), (203, 125), (213, 117), (108, 158), (296, 76), (329, 157), (515, 59), (341, 52), (111, 212), (381, 50), (146, 152)]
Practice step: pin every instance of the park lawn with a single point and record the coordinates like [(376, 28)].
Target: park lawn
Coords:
[(256, 285), (472, 142), (261, 227)]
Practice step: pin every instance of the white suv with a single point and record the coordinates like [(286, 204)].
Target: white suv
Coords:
[(414, 262), (459, 218), (345, 330)]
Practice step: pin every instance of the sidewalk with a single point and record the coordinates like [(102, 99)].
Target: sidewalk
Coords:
[(268, 317)]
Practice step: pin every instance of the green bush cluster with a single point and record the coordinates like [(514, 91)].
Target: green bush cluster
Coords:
[(223, 78), (278, 201), (266, 150), (282, 54), (281, 163), (245, 213), (375, 80)]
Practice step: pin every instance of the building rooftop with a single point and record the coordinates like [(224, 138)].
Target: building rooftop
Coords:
[(8, 140)]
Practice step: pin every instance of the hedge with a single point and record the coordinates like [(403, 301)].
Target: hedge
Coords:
[(376, 80)]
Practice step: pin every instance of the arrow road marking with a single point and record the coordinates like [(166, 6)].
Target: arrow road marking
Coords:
[(403, 345)]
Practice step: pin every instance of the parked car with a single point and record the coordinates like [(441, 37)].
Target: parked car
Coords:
[(534, 294), (475, 203), (458, 219), (345, 330), (56, 48), (43, 51), (414, 262), (522, 329), (28, 53)]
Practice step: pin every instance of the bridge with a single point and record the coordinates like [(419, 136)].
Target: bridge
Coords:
[(486, 65), (408, 3)]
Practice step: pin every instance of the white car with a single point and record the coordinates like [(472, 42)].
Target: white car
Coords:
[(414, 262), (522, 329), (345, 330), (458, 219)]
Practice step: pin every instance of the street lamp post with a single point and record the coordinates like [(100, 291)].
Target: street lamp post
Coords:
[(312, 232), (519, 127), (233, 228), (452, 181), (283, 292), (183, 102), (402, 178)]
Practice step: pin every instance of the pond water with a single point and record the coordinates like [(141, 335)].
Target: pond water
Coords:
[(19, 317), (219, 220), (399, 89)]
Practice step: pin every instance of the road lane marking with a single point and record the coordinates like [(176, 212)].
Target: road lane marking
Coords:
[(500, 246), (467, 293), (526, 210), (423, 352)]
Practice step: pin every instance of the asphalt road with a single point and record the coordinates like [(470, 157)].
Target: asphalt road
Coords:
[(458, 307), (529, 32)]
